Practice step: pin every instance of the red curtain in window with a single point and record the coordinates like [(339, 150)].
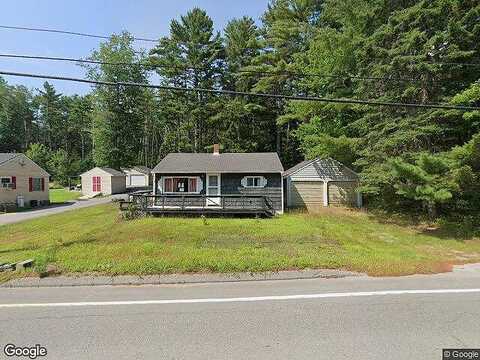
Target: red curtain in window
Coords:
[(168, 185), (175, 184), (14, 182), (192, 185), (172, 184), (30, 184)]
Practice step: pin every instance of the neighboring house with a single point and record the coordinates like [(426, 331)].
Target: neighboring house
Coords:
[(138, 176), (319, 183), (22, 182), (103, 180), (228, 182)]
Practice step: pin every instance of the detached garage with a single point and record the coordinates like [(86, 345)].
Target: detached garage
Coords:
[(319, 183), (103, 180), (138, 176)]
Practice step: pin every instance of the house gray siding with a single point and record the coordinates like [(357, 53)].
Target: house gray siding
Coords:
[(231, 184)]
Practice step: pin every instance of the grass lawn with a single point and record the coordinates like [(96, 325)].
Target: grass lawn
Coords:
[(96, 240), (62, 195)]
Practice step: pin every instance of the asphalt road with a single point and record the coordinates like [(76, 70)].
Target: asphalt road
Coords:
[(54, 209), (118, 322)]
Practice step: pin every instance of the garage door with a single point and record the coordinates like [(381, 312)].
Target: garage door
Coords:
[(342, 193), (137, 180), (307, 194)]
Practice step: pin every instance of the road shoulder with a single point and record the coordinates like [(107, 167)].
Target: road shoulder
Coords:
[(95, 280)]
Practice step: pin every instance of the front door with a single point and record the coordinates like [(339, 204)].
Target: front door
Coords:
[(97, 184), (213, 190)]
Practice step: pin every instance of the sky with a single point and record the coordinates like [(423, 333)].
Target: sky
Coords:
[(142, 18)]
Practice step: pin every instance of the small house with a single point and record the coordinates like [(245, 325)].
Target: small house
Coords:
[(22, 181), (318, 183), (227, 183), (103, 180), (138, 176)]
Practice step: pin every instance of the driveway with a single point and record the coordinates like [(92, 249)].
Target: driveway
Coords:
[(352, 318), (53, 209)]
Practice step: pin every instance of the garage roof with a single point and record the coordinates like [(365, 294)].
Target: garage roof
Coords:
[(143, 169), (327, 169)]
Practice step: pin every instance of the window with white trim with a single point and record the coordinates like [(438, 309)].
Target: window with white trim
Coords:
[(184, 185), (213, 185), (6, 182), (254, 181)]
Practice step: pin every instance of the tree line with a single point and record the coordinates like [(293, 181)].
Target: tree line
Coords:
[(422, 160)]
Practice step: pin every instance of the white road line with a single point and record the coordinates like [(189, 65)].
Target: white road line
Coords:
[(245, 299)]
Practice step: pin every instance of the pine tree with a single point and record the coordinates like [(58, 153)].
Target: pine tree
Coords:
[(191, 56), (119, 120)]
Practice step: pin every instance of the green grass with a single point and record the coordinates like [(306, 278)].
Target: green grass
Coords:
[(62, 195), (96, 240)]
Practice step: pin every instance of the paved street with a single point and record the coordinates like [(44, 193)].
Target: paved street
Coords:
[(33, 214), (343, 319)]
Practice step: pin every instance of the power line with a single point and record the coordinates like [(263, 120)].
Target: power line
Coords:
[(75, 33), (243, 93), (240, 71), (68, 32), (67, 59)]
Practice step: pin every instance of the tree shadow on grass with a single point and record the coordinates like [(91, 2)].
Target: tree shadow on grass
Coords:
[(453, 231)]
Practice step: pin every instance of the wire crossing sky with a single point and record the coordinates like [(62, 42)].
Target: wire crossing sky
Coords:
[(146, 19), (56, 31), (241, 93), (46, 34)]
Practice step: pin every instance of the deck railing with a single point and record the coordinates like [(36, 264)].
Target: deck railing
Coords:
[(149, 202)]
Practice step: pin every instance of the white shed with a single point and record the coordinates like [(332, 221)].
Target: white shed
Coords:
[(319, 183), (138, 176), (103, 180)]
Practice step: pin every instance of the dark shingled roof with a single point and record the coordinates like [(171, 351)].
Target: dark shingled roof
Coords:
[(184, 163), (4, 157), (326, 169), (112, 171)]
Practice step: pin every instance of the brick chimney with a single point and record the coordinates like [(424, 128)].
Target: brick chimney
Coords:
[(216, 149)]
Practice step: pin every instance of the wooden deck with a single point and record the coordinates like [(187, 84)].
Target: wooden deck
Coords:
[(255, 205)]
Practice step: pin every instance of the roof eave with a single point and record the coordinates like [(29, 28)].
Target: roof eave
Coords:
[(216, 171)]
